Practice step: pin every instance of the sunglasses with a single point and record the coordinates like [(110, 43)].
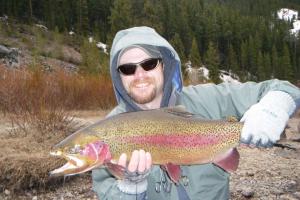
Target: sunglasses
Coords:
[(147, 65)]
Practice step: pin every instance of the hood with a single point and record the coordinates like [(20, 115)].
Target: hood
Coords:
[(145, 36)]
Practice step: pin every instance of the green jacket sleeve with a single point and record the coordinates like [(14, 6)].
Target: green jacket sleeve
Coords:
[(223, 100)]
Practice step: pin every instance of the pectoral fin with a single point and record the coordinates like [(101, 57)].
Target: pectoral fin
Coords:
[(116, 170), (173, 171), (229, 161)]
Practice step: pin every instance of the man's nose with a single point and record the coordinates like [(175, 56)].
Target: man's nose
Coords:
[(139, 71)]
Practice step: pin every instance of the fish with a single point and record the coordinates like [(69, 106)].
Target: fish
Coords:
[(173, 136)]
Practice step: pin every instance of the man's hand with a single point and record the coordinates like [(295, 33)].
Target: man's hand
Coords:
[(140, 161), (266, 120), (138, 169)]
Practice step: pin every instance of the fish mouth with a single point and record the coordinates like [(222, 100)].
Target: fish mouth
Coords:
[(81, 159), (75, 165)]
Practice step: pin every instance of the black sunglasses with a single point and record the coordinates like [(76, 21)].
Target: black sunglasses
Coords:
[(147, 65)]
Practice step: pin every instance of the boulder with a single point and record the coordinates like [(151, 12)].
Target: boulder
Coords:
[(9, 56)]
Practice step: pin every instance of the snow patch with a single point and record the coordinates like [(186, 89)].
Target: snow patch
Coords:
[(71, 33), (41, 27), (292, 16), (296, 28), (228, 77), (102, 46), (202, 73), (287, 14)]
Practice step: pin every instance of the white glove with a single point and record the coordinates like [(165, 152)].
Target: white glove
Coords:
[(265, 121)]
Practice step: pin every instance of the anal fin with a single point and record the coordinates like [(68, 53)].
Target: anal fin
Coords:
[(229, 161)]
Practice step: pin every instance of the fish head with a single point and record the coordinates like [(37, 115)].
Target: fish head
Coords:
[(81, 154)]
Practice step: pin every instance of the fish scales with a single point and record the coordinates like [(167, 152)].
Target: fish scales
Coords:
[(170, 135), (167, 136)]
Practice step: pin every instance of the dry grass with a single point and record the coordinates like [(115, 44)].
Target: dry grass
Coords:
[(25, 161), (39, 107), (22, 88), (42, 100)]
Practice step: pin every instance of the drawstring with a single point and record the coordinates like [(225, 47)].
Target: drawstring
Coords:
[(163, 183), (166, 186)]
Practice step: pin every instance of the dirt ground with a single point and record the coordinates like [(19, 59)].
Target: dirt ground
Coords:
[(263, 173)]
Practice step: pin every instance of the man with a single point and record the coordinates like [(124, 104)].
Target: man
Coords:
[(146, 74)]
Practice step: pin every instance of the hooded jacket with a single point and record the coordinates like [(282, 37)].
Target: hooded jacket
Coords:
[(146, 37), (210, 101)]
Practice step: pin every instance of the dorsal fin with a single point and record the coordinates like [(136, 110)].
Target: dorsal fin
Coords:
[(175, 110), (231, 118), (178, 110)]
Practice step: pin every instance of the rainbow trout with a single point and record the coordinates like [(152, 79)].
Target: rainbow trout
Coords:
[(173, 136)]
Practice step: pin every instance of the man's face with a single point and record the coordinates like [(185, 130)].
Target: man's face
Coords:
[(142, 86)]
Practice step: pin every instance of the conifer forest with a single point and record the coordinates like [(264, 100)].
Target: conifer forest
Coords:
[(242, 36)]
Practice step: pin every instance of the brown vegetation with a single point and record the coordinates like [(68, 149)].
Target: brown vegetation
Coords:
[(35, 89), (38, 105)]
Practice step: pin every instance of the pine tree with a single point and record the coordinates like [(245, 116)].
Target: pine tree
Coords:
[(212, 62), (90, 58), (30, 10), (49, 13), (252, 57), (266, 38), (261, 73), (267, 64), (99, 13), (195, 55), (151, 18), (182, 26), (69, 14), (60, 20), (211, 29), (244, 56), (194, 9), (288, 72), (232, 63), (136, 8), (178, 46), (121, 17), (169, 15), (274, 62), (82, 19)]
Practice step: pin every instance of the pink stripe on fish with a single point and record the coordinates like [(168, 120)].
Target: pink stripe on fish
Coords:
[(175, 140)]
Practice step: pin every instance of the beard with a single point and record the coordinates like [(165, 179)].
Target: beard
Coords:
[(143, 96)]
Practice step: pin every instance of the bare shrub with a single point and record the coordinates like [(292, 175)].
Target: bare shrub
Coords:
[(39, 104), (25, 162), (40, 100)]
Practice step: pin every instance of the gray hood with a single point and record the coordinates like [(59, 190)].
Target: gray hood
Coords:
[(145, 36)]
